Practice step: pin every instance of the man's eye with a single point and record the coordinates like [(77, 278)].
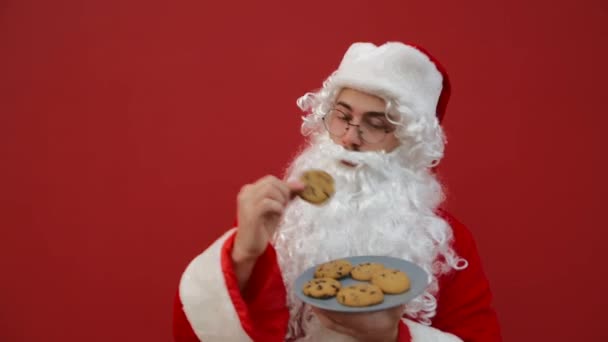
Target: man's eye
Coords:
[(344, 117), (341, 115), (377, 124)]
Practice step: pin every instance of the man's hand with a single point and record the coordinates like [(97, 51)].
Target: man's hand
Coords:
[(377, 326), (260, 206)]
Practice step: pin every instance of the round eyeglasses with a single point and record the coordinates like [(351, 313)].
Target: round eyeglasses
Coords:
[(372, 128)]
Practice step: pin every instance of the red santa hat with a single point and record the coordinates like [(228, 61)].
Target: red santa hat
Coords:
[(397, 71)]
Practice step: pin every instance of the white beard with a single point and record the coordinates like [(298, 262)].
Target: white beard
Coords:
[(381, 207)]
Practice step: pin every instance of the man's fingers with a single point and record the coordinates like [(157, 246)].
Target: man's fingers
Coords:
[(288, 190), (295, 187), (326, 320), (332, 316), (280, 189), (273, 188), (270, 206)]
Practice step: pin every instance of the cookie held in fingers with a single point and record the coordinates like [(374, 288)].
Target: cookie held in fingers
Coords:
[(391, 281), (366, 270), (321, 288), (363, 294), (334, 269), (319, 186)]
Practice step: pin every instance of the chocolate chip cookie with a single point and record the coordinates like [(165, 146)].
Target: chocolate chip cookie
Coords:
[(319, 186), (334, 269), (366, 270), (358, 295), (391, 281), (321, 288)]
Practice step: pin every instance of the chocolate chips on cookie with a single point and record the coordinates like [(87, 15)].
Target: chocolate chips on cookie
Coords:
[(319, 186), (334, 269), (321, 288)]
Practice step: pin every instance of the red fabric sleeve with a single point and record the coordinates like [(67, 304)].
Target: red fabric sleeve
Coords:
[(465, 301), (262, 305), (404, 333)]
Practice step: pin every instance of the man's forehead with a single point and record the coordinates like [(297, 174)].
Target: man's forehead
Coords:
[(368, 113), (357, 100)]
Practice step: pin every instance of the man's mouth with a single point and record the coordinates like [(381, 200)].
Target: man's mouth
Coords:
[(347, 163)]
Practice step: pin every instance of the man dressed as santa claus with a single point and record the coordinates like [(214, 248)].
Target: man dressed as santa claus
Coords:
[(375, 127)]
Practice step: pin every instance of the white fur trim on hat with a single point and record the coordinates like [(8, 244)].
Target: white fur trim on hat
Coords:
[(393, 70), (205, 298)]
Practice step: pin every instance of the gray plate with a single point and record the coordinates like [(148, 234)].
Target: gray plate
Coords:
[(418, 282)]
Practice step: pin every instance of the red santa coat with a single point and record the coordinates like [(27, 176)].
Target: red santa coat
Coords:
[(210, 307)]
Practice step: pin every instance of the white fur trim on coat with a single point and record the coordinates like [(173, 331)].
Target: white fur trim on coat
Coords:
[(205, 298), (212, 316), (424, 333)]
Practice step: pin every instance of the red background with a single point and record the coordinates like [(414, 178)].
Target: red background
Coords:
[(128, 127)]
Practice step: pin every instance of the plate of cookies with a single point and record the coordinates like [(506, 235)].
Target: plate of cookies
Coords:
[(361, 284)]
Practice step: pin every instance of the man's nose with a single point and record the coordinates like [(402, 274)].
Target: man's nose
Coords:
[(352, 139)]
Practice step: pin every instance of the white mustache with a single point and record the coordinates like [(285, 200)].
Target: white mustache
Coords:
[(376, 160)]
